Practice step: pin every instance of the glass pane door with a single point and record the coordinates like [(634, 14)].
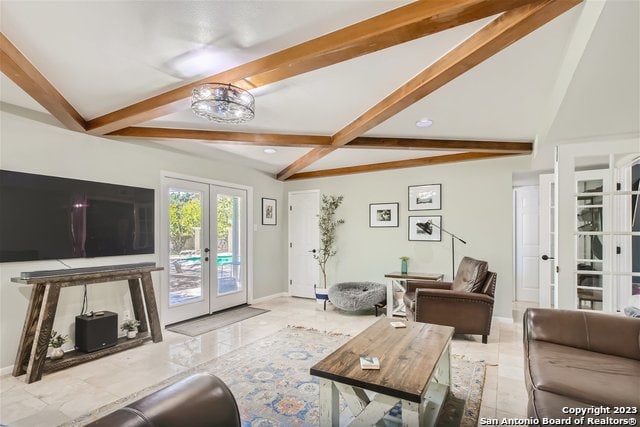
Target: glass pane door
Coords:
[(230, 237), (186, 208), (591, 188)]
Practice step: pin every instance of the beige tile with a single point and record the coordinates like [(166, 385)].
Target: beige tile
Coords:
[(17, 404), (45, 418), (490, 397), (82, 389), (511, 396)]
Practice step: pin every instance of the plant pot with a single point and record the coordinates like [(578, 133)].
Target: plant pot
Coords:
[(132, 333), (56, 353), (322, 296)]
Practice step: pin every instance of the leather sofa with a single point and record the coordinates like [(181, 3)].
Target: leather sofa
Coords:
[(575, 360), (465, 304), (201, 400)]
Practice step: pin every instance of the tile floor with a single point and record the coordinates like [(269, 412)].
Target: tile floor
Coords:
[(63, 396)]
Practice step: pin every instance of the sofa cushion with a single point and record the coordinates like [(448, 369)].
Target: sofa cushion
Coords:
[(543, 404), (584, 375)]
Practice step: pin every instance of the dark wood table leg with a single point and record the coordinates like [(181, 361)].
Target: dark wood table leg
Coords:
[(152, 307), (138, 306), (28, 330), (43, 332)]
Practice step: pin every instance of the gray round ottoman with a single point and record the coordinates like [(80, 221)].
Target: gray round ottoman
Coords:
[(353, 296)]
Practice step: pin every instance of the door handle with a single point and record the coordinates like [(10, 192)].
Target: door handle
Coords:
[(546, 257), (313, 251)]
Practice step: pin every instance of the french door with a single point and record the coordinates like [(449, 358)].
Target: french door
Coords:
[(206, 229)]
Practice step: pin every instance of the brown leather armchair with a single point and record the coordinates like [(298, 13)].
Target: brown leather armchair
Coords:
[(201, 400), (466, 303)]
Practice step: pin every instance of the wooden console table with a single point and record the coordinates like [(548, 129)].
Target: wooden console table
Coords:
[(395, 306), (41, 312)]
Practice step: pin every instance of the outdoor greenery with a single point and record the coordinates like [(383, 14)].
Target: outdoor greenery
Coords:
[(185, 214), (328, 224)]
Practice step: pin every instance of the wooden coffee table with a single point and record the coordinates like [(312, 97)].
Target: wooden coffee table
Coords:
[(414, 371)]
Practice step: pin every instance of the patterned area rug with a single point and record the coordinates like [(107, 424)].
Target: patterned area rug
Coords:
[(271, 383), (203, 325)]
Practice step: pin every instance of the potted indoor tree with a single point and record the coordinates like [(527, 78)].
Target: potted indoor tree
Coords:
[(327, 224), (131, 327), (56, 342)]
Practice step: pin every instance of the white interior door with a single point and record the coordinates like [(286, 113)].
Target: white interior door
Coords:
[(527, 244), (304, 241), (546, 221), (205, 248)]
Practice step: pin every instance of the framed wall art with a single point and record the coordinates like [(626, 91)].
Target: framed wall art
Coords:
[(269, 211), (425, 197), (383, 214), (425, 228)]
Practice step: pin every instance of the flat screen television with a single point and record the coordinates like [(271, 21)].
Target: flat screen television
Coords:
[(45, 217)]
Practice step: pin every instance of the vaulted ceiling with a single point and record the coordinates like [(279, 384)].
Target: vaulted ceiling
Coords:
[(339, 85)]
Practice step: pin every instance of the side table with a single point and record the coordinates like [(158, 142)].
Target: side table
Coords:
[(395, 284)]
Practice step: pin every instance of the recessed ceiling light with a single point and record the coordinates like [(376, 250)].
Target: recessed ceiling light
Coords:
[(424, 123), (270, 151)]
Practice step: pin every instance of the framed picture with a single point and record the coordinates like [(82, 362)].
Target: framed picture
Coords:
[(269, 211), (425, 197), (383, 214), (425, 228)]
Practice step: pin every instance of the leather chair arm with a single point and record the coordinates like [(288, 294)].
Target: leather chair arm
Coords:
[(462, 296), (201, 400), (412, 285)]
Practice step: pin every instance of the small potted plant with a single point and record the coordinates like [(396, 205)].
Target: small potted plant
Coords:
[(56, 342), (131, 326), (404, 266)]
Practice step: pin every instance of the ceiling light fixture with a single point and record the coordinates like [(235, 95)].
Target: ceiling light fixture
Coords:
[(424, 123), (222, 103), (270, 150)]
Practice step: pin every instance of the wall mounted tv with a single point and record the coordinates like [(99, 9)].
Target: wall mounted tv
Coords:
[(45, 217)]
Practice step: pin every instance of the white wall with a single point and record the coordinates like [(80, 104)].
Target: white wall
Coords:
[(476, 205), (31, 146)]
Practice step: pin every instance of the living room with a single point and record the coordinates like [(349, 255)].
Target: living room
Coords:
[(579, 103)]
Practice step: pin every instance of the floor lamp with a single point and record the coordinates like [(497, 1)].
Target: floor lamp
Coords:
[(429, 229)]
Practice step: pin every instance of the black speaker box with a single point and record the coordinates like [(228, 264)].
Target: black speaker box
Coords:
[(96, 332)]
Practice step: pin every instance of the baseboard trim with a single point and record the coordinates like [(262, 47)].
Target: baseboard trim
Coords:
[(268, 297), (503, 319), (6, 370)]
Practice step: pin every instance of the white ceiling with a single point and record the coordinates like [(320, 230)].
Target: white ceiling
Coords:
[(102, 56)]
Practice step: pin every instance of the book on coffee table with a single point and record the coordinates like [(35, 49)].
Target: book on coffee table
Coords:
[(369, 362), (398, 325)]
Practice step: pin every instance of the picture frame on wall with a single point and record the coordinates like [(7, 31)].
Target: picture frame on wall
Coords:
[(425, 228), (269, 211), (425, 197), (383, 215)]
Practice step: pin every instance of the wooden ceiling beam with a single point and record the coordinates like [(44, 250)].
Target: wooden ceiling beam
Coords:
[(241, 138), (441, 145), (398, 164), (397, 26), (288, 140), (489, 40), (17, 67)]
